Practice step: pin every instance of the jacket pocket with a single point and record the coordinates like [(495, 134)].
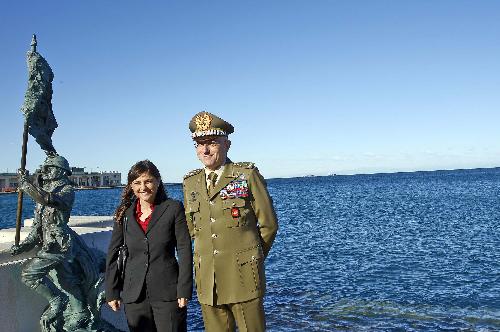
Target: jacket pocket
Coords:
[(235, 212), (251, 268)]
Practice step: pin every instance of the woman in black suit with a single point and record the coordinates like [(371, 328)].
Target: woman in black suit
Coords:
[(156, 287)]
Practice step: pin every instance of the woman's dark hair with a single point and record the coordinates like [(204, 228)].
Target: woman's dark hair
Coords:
[(141, 167)]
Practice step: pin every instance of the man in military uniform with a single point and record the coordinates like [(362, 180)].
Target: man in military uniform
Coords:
[(231, 217)]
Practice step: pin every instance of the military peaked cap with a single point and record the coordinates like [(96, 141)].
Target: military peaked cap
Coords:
[(207, 124)]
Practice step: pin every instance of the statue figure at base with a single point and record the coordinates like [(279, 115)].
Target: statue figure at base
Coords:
[(64, 271)]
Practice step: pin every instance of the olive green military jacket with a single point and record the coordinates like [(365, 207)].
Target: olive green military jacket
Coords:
[(233, 231)]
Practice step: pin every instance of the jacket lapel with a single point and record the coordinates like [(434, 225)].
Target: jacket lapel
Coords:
[(226, 177), (132, 224), (157, 213)]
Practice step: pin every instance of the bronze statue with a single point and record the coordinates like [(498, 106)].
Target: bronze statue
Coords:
[(64, 271)]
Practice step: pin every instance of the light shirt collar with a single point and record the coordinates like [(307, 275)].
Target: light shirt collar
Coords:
[(218, 171)]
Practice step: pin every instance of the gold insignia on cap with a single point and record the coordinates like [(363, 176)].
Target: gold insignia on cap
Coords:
[(203, 122), (206, 124)]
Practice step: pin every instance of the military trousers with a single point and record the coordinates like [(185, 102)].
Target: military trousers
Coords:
[(248, 316)]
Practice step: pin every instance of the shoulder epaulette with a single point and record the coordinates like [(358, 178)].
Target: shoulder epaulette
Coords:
[(193, 172), (245, 164)]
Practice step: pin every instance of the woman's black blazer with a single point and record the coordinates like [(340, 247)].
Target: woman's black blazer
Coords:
[(151, 258)]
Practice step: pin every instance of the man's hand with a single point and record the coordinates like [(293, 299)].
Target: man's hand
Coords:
[(22, 177), (182, 302), (115, 305)]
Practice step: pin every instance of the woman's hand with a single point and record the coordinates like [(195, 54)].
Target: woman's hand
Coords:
[(115, 304), (182, 302)]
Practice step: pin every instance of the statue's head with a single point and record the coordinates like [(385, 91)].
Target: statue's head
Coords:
[(55, 167)]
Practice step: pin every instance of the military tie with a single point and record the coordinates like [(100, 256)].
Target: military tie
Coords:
[(212, 178)]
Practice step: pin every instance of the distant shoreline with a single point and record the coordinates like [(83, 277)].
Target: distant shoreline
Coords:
[(105, 187), (386, 173), (77, 188), (310, 176)]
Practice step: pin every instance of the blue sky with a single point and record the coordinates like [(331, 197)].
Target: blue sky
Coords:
[(312, 87)]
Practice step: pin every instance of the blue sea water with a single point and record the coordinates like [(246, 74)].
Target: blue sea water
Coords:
[(386, 252)]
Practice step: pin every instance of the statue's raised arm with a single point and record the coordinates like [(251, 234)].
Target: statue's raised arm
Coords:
[(55, 189)]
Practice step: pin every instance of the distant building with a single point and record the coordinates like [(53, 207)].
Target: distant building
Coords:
[(95, 179), (8, 182)]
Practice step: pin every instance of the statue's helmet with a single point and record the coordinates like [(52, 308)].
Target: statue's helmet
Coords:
[(58, 161)]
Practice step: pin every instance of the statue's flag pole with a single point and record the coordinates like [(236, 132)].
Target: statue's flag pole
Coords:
[(20, 192), (39, 119)]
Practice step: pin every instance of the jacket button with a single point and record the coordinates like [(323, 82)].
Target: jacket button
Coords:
[(214, 236), (212, 219), (212, 202), (216, 252)]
